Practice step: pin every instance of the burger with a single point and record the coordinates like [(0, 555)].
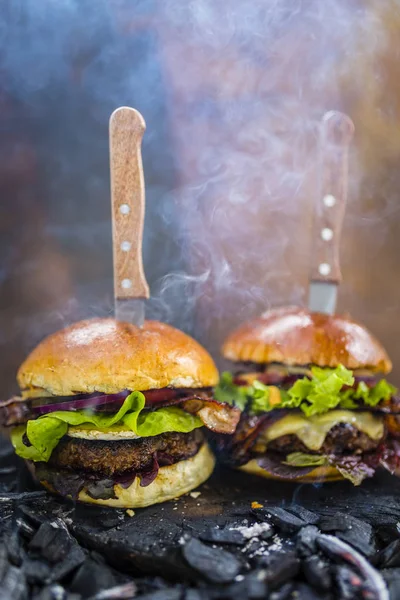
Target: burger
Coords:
[(114, 414), (314, 401)]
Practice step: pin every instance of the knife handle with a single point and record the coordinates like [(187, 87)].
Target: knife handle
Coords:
[(127, 127), (336, 133)]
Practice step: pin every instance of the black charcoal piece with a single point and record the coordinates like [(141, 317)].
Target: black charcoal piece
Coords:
[(91, 578), (392, 579), (309, 517), (24, 527), (390, 556), (215, 564), (280, 567), (284, 520), (194, 594), (226, 535), (36, 571), (317, 572), (355, 532), (51, 592), (166, 594), (14, 585), (303, 591), (120, 592), (53, 543), (284, 593), (349, 583), (14, 548), (252, 586), (306, 541), (75, 557), (4, 564)]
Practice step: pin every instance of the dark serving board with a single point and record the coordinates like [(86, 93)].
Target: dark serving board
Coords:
[(149, 542)]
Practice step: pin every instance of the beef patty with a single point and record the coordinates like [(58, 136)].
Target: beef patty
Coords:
[(340, 439), (115, 458)]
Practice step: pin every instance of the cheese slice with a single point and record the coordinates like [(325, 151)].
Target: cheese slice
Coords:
[(117, 432), (313, 430)]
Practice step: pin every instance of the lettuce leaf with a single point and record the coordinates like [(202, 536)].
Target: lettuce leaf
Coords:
[(45, 432), (226, 391), (300, 459)]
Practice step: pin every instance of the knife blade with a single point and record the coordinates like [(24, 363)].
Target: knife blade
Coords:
[(336, 133), (127, 127)]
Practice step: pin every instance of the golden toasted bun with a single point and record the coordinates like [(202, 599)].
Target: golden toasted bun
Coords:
[(294, 336), (318, 475), (105, 355), (171, 481)]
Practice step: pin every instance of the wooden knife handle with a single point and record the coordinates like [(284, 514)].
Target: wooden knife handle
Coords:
[(336, 133), (127, 127)]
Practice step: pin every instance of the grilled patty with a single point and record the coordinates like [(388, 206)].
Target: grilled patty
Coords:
[(341, 438), (115, 458)]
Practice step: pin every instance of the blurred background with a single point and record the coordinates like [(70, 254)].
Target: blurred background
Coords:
[(232, 93)]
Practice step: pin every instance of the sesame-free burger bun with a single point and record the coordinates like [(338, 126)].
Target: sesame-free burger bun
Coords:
[(295, 336), (171, 482), (318, 475), (105, 355)]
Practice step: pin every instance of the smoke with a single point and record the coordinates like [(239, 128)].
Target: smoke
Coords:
[(232, 93)]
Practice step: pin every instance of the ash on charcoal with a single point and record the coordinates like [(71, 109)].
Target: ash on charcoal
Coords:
[(51, 542), (309, 517), (215, 564), (36, 571), (92, 577), (355, 532), (120, 592), (51, 592), (280, 568), (306, 544), (390, 556), (284, 593), (227, 535), (14, 584), (317, 572), (258, 530), (283, 519)]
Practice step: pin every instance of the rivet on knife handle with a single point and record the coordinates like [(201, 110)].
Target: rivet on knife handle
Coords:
[(127, 127), (336, 133)]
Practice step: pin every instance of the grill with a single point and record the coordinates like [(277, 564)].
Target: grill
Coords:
[(240, 537)]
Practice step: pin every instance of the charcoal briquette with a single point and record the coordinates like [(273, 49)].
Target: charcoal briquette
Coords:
[(53, 543), (284, 593), (119, 592), (91, 578), (280, 567), (284, 520), (392, 579), (51, 592), (305, 592), (14, 584), (308, 516), (75, 557), (14, 548), (306, 544), (36, 571), (166, 594), (215, 564), (253, 586), (317, 572), (355, 532), (348, 582), (226, 535), (4, 564), (389, 557)]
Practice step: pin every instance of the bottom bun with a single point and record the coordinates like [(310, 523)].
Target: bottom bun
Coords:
[(318, 475), (171, 481)]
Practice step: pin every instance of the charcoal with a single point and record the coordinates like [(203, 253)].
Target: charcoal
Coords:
[(14, 585), (25, 528), (284, 593), (392, 579), (51, 592), (119, 592), (91, 578), (14, 548), (351, 530), (309, 517), (304, 592), (75, 557), (284, 520), (31, 515), (166, 594), (193, 594), (4, 564), (306, 541), (349, 583), (252, 586), (36, 571), (280, 567), (226, 535), (7, 470), (215, 564), (317, 572), (53, 543), (389, 557)]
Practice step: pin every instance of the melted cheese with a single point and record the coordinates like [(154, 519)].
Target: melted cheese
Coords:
[(313, 430), (117, 432)]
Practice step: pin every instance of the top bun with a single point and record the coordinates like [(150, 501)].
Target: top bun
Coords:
[(105, 355), (294, 336)]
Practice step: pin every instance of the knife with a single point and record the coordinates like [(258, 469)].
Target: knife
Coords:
[(127, 127), (336, 133)]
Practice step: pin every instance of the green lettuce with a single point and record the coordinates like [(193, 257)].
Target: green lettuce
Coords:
[(45, 432), (226, 391), (300, 459)]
